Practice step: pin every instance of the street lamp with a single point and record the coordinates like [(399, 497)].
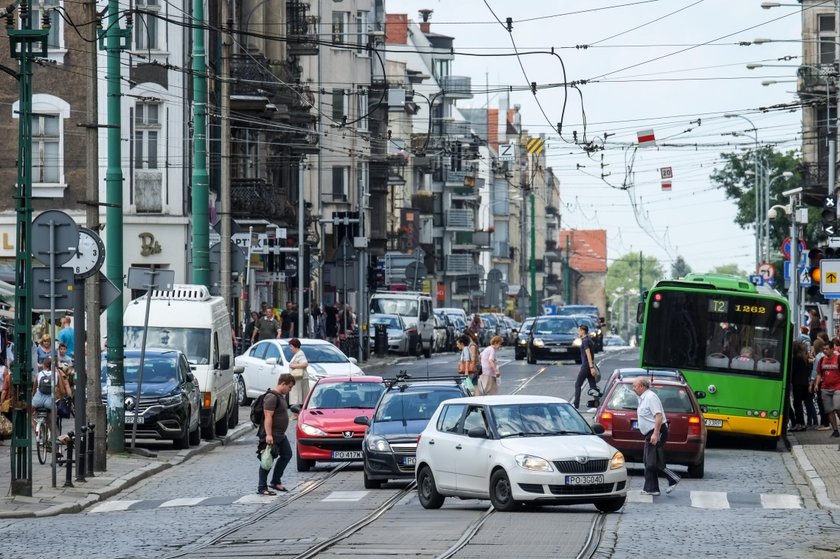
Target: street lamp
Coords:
[(758, 220), (784, 175)]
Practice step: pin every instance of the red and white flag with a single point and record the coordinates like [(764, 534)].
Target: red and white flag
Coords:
[(666, 186), (646, 138)]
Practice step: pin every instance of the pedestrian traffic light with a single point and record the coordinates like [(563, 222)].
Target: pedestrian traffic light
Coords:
[(828, 217)]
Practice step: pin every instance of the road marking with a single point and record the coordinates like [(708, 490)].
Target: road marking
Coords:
[(254, 499), (345, 496), (183, 502), (709, 500), (529, 379), (774, 501), (111, 506), (503, 363)]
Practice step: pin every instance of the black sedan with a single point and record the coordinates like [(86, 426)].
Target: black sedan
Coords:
[(552, 337), (169, 404)]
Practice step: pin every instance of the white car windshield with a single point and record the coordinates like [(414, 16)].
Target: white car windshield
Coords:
[(320, 353), (538, 419), (193, 342), (404, 307)]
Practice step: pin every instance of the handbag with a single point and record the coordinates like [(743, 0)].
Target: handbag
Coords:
[(6, 405), (266, 458), (64, 408), (5, 427), (597, 376)]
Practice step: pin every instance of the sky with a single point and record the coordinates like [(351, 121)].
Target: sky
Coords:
[(674, 66)]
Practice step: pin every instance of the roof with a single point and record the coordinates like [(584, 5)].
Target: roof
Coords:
[(357, 378), (513, 399), (588, 250)]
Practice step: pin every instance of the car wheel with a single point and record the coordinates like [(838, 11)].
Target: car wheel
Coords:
[(501, 494), (233, 415), (413, 346), (427, 352), (610, 505), (372, 483), (209, 433), (303, 465), (183, 441), (518, 355), (427, 490), (241, 397), (697, 471), (531, 359), (195, 434)]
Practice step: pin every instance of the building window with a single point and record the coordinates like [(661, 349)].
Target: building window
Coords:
[(441, 68), (46, 141), (339, 105), (55, 39), (362, 109), (146, 28), (340, 22), (827, 37), (340, 178), (361, 32), (146, 135)]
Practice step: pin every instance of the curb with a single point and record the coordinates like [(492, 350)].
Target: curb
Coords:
[(814, 480), (130, 479)]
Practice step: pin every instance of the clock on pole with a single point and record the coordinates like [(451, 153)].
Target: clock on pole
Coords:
[(90, 254)]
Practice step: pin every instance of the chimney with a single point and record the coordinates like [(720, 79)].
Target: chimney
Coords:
[(396, 29), (426, 14)]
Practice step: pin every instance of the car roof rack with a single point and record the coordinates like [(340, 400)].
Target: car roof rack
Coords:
[(404, 378)]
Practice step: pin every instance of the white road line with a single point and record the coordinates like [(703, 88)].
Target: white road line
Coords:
[(345, 496), (254, 499), (110, 506), (637, 497), (503, 363), (709, 500), (183, 502), (774, 501)]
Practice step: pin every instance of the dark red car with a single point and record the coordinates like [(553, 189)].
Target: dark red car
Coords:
[(686, 443), (326, 428)]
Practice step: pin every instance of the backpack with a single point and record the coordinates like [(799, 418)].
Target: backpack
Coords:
[(45, 384), (257, 411)]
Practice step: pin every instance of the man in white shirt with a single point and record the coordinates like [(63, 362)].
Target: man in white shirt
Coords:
[(654, 426)]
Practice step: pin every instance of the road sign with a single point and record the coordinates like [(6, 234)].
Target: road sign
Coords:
[(507, 151), (758, 279), (766, 270), (786, 247), (830, 276), (666, 173), (804, 276), (65, 237), (549, 310)]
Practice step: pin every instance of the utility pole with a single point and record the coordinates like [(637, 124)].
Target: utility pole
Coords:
[(567, 272), (641, 287), (224, 154), (533, 256), (114, 40), (22, 42), (200, 191)]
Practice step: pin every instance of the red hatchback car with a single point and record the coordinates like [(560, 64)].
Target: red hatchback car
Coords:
[(686, 443), (326, 428)]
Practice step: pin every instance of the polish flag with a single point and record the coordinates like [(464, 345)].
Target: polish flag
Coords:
[(666, 186), (646, 138)]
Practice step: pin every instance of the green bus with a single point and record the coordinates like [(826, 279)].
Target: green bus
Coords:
[(731, 340)]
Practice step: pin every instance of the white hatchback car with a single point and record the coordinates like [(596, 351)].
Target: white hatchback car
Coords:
[(261, 365), (517, 449)]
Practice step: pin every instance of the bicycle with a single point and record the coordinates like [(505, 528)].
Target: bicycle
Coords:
[(42, 435)]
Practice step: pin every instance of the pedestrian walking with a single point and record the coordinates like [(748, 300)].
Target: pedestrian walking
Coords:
[(267, 327), (248, 333), (654, 425), (799, 382), (489, 380), (828, 383), (288, 321), (587, 370), (297, 366), (272, 433)]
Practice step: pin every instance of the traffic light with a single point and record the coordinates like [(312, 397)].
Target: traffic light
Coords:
[(815, 256), (269, 257), (828, 217)]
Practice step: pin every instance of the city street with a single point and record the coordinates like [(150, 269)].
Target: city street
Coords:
[(751, 503)]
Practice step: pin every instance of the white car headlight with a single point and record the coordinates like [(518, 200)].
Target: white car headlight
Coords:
[(522, 341), (534, 463), (170, 400), (576, 342), (617, 461), (312, 431), (377, 444), (538, 342)]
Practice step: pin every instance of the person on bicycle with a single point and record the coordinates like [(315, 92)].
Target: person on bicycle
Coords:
[(42, 388)]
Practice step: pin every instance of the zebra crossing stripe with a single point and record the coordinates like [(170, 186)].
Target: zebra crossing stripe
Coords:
[(183, 502), (254, 499), (709, 500), (111, 506), (774, 501)]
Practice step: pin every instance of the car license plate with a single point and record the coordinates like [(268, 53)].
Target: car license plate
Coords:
[(584, 480), (129, 419), (347, 454), (409, 460), (714, 423), (634, 425), (557, 349)]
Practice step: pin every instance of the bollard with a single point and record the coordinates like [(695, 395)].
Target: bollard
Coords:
[(69, 440), (81, 455), (90, 439)]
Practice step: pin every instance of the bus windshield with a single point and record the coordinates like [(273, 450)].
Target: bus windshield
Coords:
[(715, 332)]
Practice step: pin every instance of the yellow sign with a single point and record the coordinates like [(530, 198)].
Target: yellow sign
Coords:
[(535, 145), (831, 277)]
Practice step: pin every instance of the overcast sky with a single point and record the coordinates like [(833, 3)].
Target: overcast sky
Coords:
[(675, 66)]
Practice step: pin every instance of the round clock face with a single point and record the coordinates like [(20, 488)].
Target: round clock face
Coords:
[(89, 256)]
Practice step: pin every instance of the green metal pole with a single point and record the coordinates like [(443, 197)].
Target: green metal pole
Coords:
[(200, 191), (533, 255), (115, 39), (21, 41), (641, 286)]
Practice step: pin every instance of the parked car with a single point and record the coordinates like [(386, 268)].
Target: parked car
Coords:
[(686, 444), (401, 415), (489, 329), (614, 341), (396, 328), (442, 333), (326, 427), (503, 327), (169, 407), (521, 345), (514, 450), (259, 368), (595, 334), (579, 310), (552, 337)]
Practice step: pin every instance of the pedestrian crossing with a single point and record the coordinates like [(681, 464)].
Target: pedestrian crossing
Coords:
[(710, 500)]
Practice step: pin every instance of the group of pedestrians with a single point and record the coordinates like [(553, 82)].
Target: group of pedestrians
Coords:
[(480, 367), (334, 323), (815, 376)]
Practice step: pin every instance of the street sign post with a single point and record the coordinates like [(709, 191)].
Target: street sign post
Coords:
[(758, 279), (830, 278), (786, 247)]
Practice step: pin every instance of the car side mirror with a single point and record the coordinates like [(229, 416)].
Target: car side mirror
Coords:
[(362, 420), (640, 312), (353, 360), (224, 362), (477, 433), (598, 429), (271, 361), (190, 377), (699, 394)]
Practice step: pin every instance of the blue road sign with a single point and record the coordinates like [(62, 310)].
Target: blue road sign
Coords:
[(757, 279), (804, 276), (549, 309)]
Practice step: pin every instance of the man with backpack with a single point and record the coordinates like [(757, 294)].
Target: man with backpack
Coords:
[(270, 412)]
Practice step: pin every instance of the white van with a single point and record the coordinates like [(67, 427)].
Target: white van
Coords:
[(189, 319), (416, 309)]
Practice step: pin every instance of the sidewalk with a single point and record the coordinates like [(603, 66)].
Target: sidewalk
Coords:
[(123, 471), (818, 457)]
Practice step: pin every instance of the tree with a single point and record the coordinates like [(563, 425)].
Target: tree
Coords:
[(731, 269), (680, 268), (623, 289)]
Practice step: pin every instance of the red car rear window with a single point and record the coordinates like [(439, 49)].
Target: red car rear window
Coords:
[(675, 399)]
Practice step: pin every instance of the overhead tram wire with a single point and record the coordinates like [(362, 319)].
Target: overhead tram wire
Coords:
[(655, 20)]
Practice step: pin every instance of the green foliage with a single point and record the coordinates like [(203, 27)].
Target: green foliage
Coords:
[(623, 278), (731, 269), (680, 268)]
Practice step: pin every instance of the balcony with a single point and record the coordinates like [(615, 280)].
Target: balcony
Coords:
[(255, 198), (457, 87), (423, 202), (301, 30), (550, 210), (463, 240), (460, 220), (458, 264), (814, 183), (252, 77), (500, 249), (457, 128)]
